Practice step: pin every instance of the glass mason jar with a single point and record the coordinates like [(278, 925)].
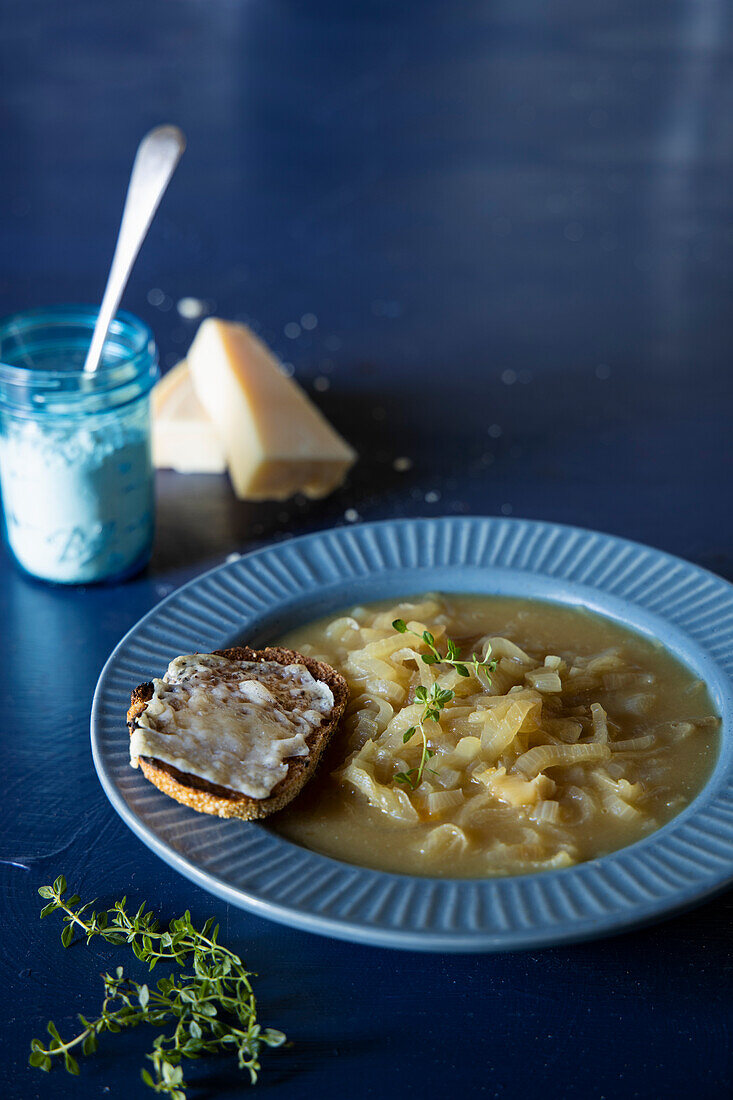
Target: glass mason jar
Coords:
[(75, 468)]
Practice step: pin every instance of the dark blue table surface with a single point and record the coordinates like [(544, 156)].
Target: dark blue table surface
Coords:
[(513, 223)]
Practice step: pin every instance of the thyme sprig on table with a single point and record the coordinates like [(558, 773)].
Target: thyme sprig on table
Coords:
[(435, 700), (211, 1010)]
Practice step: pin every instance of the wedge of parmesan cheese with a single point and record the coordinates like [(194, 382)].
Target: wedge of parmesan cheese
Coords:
[(276, 441), (184, 438)]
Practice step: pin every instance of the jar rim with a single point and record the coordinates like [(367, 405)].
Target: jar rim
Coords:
[(124, 324), (31, 389)]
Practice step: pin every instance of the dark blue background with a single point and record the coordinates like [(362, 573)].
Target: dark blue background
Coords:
[(513, 223)]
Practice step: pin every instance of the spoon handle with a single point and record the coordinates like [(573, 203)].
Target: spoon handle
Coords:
[(155, 162)]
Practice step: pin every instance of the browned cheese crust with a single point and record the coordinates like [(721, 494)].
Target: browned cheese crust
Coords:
[(208, 798)]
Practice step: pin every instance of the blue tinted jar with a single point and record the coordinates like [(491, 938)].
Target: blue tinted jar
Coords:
[(75, 468)]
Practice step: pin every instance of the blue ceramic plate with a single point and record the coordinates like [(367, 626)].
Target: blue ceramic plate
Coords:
[(264, 594)]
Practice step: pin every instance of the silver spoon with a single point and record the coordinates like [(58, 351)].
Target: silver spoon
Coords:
[(155, 162)]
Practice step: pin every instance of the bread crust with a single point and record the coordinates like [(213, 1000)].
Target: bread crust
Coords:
[(209, 798)]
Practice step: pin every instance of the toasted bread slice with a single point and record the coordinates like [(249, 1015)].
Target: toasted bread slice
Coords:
[(208, 798)]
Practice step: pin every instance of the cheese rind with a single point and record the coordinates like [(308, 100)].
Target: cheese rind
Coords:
[(276, 441), (184, 437)]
